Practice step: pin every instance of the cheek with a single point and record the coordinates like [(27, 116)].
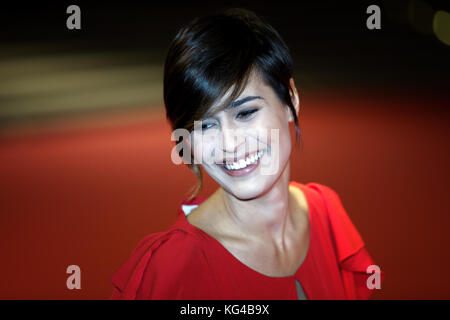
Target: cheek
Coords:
[(273, 129), (203, 148), (279, 139)]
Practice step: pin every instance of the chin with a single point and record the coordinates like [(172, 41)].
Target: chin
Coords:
[(251, 187)]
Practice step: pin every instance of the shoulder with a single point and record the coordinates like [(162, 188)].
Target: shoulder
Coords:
[(175, 242), (334, 210), (323, 197), (352, 255), (345, 236), (161, 266), (327, 194), (329, 209), (317, 195), (315, 189)]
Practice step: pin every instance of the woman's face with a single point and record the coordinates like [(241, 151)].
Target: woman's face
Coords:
[(246, 146)]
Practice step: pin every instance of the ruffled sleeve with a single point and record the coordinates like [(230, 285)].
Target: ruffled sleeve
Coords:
[(353, 257), (164, 265)]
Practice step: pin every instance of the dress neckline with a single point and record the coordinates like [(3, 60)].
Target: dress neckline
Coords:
[(218, 244)]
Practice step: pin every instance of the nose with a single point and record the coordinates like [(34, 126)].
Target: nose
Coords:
[(232, 139)]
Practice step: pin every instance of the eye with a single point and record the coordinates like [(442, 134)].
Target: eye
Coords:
[(245, 114), (207, 125)]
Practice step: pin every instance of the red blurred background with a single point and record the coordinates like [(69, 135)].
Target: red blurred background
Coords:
[(85, 193)]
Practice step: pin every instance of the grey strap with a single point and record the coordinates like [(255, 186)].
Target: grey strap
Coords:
[(300, 293)]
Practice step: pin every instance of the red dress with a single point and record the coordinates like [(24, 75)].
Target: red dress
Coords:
[(185, 263)]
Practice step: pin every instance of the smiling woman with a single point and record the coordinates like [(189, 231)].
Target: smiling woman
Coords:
[(228, 82)]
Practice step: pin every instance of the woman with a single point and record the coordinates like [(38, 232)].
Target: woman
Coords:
[(228, 82)]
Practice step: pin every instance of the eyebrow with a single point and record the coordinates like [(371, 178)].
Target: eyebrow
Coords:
[(237, 103)]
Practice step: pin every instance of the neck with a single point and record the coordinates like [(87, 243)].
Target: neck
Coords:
[(265, 216)]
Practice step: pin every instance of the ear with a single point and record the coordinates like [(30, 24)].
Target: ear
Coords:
[(294, 98)]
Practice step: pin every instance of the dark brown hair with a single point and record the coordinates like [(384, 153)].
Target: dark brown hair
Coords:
[(217, 53)]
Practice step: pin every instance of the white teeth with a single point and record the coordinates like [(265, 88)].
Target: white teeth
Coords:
[(244, 163)]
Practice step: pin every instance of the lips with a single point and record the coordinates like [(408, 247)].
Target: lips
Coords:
[(244, 166)]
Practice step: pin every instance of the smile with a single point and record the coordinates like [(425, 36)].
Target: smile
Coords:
[(243, 166), (243, 163)]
